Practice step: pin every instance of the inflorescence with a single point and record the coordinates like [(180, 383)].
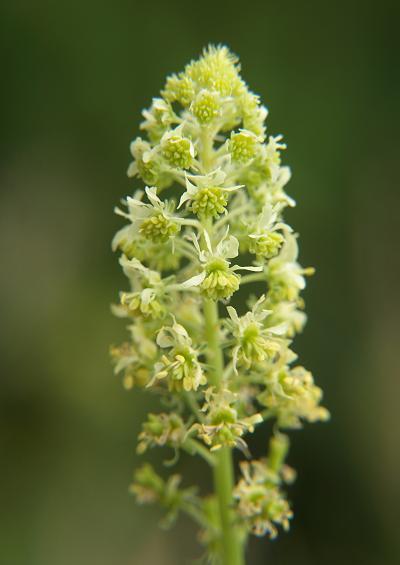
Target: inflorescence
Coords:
[(208, 222)]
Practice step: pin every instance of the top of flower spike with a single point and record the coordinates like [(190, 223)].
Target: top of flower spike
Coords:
[(208, 93), (212, 88)]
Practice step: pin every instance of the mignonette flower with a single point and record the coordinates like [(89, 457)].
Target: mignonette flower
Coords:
[(285, 276), (136, 358), (147, 164), (292, 396), (206, 106), (158, 118), (176, 149), (154, 221), (208, 187), (223, 426), (148, 289), (161, 429), (254, 342), (181, 365), (243, 146), (207, 195), (265, 239), (218, 279)]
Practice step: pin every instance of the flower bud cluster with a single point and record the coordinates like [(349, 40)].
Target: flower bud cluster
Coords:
[(148, 487), (206, 222)]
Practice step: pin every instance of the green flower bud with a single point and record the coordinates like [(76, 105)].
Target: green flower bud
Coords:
[(266, 245), (209, 202), (278, 449), (242, 146), (217, 69), (179, 89), (158, 228), (178, 151), (206, 106), (148, 172), (220, 281), (147, 486)]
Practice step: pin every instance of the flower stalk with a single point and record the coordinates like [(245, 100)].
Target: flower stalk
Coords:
[(223, 470)]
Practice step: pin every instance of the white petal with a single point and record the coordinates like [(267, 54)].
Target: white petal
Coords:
[(180, 330), (184, 198), (152, 196), (194, 281), (132, 169), (164, 339), (228, 248), (119, 236), (233, 314), (281, 329), (196, 244), (208, 241), (147, 295), (239, 268)]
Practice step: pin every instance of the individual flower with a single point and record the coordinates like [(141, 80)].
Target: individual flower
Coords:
[(134, 359), (266, 178), (127, 361), (223, 426), (161, 429), (177, 150), (181, 366), (243, 146), (291, 396), (179, 89), (155, 221), (206, 106), (147, 297), (218, 280), (288, 313), (148, 166), (253, 114), (284, 274), (265, 236), (158, 118), (206, 194), (254, 342)]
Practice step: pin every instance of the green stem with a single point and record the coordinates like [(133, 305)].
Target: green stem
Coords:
[(192, 446), (231, 545), (257, 277), (223, 469)]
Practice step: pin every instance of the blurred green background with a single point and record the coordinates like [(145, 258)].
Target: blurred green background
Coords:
[(75, 77)]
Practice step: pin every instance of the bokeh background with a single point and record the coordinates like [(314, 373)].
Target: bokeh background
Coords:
[(75, 76)]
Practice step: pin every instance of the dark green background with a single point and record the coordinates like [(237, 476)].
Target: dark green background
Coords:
[(75, 76)]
